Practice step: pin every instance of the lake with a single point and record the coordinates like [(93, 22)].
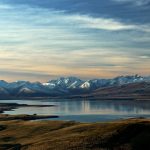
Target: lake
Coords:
[(85, 110)]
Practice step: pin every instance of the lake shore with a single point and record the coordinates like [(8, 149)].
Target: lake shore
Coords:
[(22, 133), (4, 117), (84, 97), (10, 106)]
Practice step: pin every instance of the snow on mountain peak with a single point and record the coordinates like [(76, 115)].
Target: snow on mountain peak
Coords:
[(67, 84), (85, 85), (26, 90)]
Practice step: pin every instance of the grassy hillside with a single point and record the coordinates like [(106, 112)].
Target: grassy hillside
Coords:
[(60, 135), (136, 91)]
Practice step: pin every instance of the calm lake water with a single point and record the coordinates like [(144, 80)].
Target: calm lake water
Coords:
[(85, 110)]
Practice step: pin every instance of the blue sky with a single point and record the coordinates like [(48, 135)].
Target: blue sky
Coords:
[(40, 40)]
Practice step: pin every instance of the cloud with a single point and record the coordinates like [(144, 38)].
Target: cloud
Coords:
[(48, 42), (99, 23), (135, 2), (12, 75), (109, 24), (5, 7), (61, 19)]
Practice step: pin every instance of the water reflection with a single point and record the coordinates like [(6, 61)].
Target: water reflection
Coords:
[(85, 108)]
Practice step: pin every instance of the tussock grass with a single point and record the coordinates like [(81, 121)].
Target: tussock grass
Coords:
[(60, 135)]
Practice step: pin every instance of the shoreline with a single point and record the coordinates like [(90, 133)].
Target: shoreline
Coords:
[(79, 97), (22, 133), (5, 117), (10, 106)]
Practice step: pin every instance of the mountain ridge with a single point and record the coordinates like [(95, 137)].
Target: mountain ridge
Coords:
[(65, 86)]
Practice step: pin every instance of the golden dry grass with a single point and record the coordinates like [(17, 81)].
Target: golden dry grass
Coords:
[(61, 135)]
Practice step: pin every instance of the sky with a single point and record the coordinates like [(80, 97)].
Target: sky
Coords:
[(45, 39)]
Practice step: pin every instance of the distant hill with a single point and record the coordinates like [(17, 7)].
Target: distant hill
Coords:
[(128, 91)]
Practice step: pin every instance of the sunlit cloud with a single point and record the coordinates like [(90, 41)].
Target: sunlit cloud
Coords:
[(53, 43)]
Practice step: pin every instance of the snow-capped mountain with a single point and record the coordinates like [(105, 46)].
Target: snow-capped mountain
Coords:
[(64, 86), (65, 83)]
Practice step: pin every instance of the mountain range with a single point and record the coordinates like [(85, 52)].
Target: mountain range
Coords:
[(72, 87)]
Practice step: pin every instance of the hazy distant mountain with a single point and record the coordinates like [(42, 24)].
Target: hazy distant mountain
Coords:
[(65, 86)]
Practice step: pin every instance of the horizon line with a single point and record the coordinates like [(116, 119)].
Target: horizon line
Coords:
[(75, 77)]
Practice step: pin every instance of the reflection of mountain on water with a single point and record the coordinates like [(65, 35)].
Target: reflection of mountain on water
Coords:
[(104, 107), (134, 107), (86, 107)]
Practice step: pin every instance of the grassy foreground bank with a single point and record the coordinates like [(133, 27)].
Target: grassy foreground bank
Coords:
[(60, 135)]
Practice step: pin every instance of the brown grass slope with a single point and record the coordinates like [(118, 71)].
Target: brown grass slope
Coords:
[(132, 91), (133, 134)]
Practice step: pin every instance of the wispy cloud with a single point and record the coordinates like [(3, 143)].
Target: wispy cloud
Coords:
[(135, 2), (65, 43), (106, 23), (54, 19), (99, 23)]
